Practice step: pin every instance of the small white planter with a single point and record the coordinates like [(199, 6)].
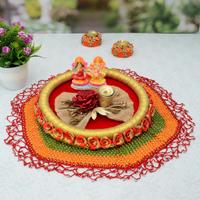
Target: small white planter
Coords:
[(14, 78)]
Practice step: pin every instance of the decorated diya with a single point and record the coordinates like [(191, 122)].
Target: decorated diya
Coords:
[(122, 49), (97, 118), (91, 39), (106, 94)]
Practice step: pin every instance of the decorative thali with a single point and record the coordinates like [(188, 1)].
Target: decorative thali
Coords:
[(58, 129), (95, 122)]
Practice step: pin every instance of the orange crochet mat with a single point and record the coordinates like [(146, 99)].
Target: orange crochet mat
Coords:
[(169, 135)]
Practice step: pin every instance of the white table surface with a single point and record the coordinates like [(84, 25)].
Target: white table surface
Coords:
[(171, 60)]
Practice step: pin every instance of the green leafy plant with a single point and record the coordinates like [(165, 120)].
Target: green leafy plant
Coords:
[(111, 18), (152, 16), (162, 17), (191, 9), (64, 11), (16, 45)]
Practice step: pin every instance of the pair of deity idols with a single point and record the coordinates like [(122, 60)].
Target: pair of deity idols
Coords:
[(86, 77)]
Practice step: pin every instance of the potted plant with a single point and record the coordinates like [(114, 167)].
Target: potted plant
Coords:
[(16, 48)]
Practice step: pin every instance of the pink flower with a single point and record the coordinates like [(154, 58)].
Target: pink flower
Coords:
[(2, 31), (27, 51), (30, 36), (26, 38), (2, 19), (19, 25), (5, 50), (22, 35)]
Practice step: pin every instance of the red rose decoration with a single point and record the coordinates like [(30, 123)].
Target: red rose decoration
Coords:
[(68, 138), (128, 135), (151, 110), (81, 141), (39, 115), (145, 124), (93, 142), (137, 130), (47, 126), (105, 142), (86, 100), (57, 133), (118, 139)]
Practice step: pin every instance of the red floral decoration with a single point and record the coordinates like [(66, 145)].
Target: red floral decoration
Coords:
[(47, 126), (118, 139), (93, 142), (57, 133), (39, 115), (128, 135), (105, 142), (86, 100), (80, 141), (145, 124), (137, 130), (68, 138), (151, 110)]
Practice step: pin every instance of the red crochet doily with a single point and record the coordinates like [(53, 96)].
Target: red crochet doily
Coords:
[(179, 145)]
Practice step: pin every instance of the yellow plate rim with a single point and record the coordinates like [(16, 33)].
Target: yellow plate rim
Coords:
[(112, 73)]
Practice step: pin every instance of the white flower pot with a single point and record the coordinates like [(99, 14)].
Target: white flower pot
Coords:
[(14, 78)]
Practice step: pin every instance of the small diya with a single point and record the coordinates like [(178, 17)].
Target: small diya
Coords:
[(106, 94), (91, 39), (122, 49)]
